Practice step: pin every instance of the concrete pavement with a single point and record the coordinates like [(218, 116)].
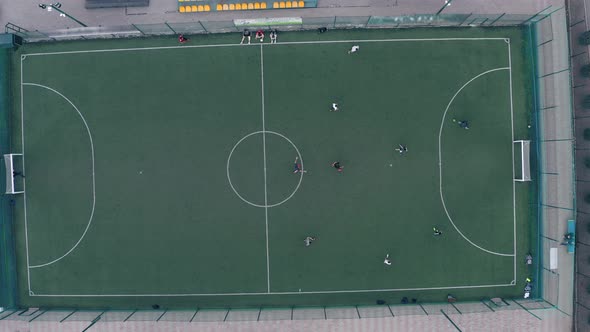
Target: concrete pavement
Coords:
[(27, 14)]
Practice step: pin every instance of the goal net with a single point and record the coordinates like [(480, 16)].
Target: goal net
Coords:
[(524, 147), (14, 173)]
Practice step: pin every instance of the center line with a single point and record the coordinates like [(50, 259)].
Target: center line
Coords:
[(264, 157)]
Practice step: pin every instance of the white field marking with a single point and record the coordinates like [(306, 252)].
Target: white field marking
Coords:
[(264, 131), (276, 293), (22, 118), (513, 171), (93, 176), (264, 157), (440, 162), (282, 43), (229, 177)]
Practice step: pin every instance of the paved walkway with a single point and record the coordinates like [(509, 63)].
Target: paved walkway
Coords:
[(511, 320), (27, 14)]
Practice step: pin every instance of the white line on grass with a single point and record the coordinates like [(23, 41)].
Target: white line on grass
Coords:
[(264, 151), (264, 156), (277, 293), (239, 45), (229, 176), (22, 118), (93, 176), (513, 171), (440, 162)]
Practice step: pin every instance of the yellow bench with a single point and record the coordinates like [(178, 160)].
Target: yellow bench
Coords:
[(238, 6)]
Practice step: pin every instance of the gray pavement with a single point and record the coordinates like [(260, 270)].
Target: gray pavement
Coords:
[(510, 318), (27, 14), (555, 125)]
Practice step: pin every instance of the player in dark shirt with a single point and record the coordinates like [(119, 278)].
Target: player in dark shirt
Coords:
[(246, 34), (337, 166), (297, 167), (402, 149)]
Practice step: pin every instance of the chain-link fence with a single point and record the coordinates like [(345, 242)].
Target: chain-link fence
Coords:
[(303, 23), (579, 25), (461, 312), (553, 150), (553, 133)]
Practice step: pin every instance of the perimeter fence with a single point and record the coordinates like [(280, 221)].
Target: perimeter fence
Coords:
[(552, 129), (552, 135), (579, 25), (283, 24), (459, 311)]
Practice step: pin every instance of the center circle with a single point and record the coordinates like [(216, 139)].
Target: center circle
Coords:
[(264, 132)]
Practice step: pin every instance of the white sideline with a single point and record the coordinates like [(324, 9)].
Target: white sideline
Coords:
[(275, 293), (274, 45), (513, 171), (22, 118), (268, 292)]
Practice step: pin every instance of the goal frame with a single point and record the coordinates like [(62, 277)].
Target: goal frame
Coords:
[(8, 162), (525, 161)]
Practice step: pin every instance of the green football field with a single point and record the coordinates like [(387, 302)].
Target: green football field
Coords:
[(160, 173)]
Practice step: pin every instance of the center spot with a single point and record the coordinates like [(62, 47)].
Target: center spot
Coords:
[(256, 184)]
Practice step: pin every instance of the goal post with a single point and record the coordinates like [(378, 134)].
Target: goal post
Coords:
[(525, 161), (12, 173)]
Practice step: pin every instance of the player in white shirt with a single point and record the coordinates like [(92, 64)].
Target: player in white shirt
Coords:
[(354, 49), (387, 261)]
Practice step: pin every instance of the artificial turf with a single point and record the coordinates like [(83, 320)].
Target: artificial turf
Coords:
[(138, 160)]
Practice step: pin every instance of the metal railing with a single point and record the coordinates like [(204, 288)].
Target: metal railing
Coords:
[(553, 134), (302, 23)]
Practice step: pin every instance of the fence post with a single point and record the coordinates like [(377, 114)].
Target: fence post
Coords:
[(169, 27), (138, 29), (499, 17), (334, 26), (46, 35), (14, 27), (203, 26), (525, 21), (528, 19), (468, 16)]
